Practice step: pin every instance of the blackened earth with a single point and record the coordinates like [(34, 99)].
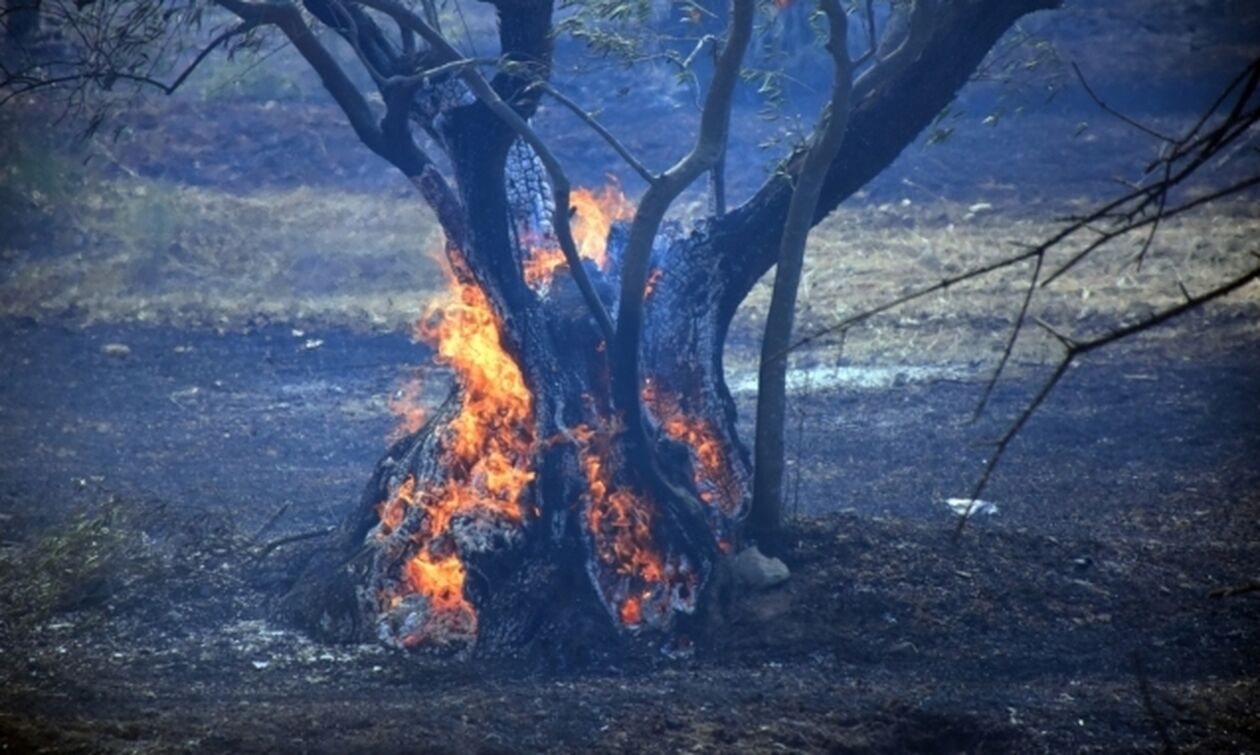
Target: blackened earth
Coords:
[(138, 492)]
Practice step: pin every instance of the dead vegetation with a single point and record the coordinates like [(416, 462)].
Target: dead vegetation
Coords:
[(118, 557), (134, 250)]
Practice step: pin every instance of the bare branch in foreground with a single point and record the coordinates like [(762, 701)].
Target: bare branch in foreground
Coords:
[(1076, 348)]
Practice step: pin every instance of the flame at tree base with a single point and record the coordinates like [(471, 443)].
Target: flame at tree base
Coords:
[(485, 453), (466, 483), (642, 583)]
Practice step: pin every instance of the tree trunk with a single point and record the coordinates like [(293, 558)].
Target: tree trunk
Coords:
[(519, 519), (766, 515), (552, 540)]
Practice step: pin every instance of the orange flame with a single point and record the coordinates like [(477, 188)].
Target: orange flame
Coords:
[(631, 611), (486, 452), (440, 579), (642, 582), (712, 473), (594, 215), (620, 521), (706, 449), (654, 278)]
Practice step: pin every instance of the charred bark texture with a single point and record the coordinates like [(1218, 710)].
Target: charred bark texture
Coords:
[(566, 570)]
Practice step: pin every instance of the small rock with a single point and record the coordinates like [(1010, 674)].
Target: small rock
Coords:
[(116, 350), (755, 570)]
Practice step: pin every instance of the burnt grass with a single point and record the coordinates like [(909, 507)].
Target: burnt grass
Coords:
[(136, 580)]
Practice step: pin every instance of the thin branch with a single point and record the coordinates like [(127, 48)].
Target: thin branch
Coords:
[(1116, 113), (417, 80), (1128, 228), (241, 28), (1075, 348), (1016, 328), (635, 164), (941, 285), (288, 19), (266, 549), (1231, 591), (626, 346), (884, 68), (484, 92)]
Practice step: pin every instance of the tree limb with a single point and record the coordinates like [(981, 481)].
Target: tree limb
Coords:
[(621, 149), (288, 19), (1075, 348), (765, 517), (560, 187), (625, 351)]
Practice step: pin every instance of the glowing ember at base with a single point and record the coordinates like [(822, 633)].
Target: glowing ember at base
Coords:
[(485, 453), (629, 569), (593, 216)]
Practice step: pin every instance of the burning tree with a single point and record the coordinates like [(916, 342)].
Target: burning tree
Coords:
[(584, 480)]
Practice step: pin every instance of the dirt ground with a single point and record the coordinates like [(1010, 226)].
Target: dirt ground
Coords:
[(1077, 618)]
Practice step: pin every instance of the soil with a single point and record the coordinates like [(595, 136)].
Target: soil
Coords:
[(1077, 617)]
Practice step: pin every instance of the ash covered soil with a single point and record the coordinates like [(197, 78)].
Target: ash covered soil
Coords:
[(145, 485)]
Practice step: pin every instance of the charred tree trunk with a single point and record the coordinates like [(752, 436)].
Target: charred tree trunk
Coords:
[(519, 519), (580, 559)]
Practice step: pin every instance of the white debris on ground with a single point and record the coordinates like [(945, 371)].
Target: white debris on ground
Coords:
[(824, 377), (971, 506)]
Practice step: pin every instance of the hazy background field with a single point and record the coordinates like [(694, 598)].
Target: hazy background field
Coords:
[(245, 199)]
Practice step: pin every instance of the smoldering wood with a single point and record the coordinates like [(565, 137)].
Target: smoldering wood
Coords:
[(541, 589)]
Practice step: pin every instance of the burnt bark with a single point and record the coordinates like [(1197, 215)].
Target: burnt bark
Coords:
[(545, 578)]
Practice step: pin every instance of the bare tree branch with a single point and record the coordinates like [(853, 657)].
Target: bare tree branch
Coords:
[(1116, 113), (1146, 205), (288, 19), (635, 164), (920, 16), (1076, 348), (625, 351), (919, 293), (560, 186), (1018, 326)]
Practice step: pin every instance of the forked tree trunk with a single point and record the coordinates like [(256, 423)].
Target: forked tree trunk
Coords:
[(567, 549), (561, 573)]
